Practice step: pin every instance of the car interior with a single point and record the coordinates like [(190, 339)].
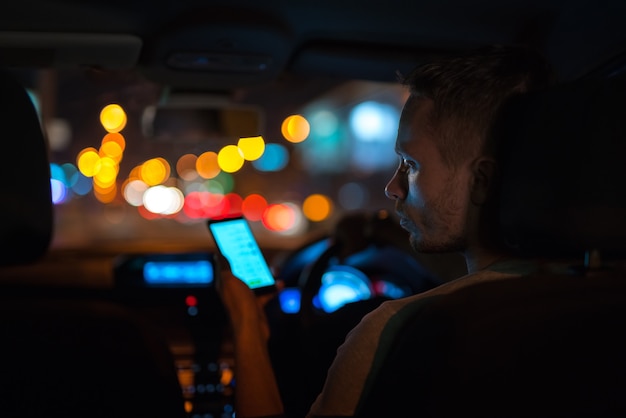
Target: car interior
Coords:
[(127, 125)]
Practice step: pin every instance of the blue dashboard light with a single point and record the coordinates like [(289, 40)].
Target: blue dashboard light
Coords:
[(343, 284), (178, 272), (289, 299)]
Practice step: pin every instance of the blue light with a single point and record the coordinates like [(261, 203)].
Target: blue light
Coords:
[(58, 191), (275, 158), (289, 299), (390, 290), (57, 173), (342, 285), (374, 126), (324, 123), (374, 122), (178, 272), (81, 185), (70, 171)]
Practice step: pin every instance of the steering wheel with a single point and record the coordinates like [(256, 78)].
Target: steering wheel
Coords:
[(365, 247)]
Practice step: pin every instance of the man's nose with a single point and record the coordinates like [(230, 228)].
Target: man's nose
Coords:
[(393, 189)]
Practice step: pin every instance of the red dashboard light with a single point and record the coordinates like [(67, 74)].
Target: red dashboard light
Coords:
[(191, 300)]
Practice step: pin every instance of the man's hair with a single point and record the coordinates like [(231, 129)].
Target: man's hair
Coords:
[(468, 90)]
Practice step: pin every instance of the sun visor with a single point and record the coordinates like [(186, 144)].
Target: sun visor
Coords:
[(47, 49)]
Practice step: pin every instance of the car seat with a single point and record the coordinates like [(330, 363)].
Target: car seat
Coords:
[(552, 343), (64, 355)]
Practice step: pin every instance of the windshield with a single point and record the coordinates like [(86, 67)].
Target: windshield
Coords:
[(135, 162)]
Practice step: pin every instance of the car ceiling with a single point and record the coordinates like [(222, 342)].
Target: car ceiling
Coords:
[(230, 40)]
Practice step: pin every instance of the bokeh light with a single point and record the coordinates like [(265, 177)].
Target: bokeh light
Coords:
[(107, 174), (113, 118), (88, 162), (253, 207), (278, 217), (226, 181), (186, 167), (116, 137), (69, 171), (133, 191), (324, 123), (81, 184), (57, 173), (105, 194), (251, 148), (163, 200), (207, 165), (155, 171), (59, 133), (112, 150), (295, 128), (275, 158), (374, 126), (329, 144), (317, 207), (58, 191), (229, 159), (284, 218), (201, 205), (235, 203), (373, 121)]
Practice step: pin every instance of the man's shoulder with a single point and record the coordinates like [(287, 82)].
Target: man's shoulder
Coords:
[(408, 305)]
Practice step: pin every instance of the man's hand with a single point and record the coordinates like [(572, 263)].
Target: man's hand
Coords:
[(245, 308), (257, 393)]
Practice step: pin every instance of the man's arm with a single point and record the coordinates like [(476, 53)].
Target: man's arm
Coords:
[(256, 389)]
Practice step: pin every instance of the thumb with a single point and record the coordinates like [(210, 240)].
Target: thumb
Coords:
[(221, 262)]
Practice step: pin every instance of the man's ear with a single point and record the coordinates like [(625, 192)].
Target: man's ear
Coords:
[(483, 179)]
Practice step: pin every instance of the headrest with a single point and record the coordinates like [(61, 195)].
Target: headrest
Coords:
[(563, 154), (26, 219)]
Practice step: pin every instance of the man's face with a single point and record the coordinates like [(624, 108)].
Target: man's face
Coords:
[(431, 198)]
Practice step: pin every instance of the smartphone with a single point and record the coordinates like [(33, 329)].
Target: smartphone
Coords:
[(236, 242)]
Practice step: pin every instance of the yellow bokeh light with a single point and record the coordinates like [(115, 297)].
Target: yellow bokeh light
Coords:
[(317, 207), (108, 172), (154, 171), (229, 159), (251, 148), (295, 128), (105, 194), (88, 162), (135, 173), (111, 150), (116, 137), (113, 118), (207, 165)]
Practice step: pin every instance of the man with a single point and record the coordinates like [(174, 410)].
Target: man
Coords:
[(442, 190)]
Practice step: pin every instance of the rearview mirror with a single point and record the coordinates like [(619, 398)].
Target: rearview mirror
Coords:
[(201, 122)]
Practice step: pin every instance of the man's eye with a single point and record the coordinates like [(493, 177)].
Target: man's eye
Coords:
[(406, 165)]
